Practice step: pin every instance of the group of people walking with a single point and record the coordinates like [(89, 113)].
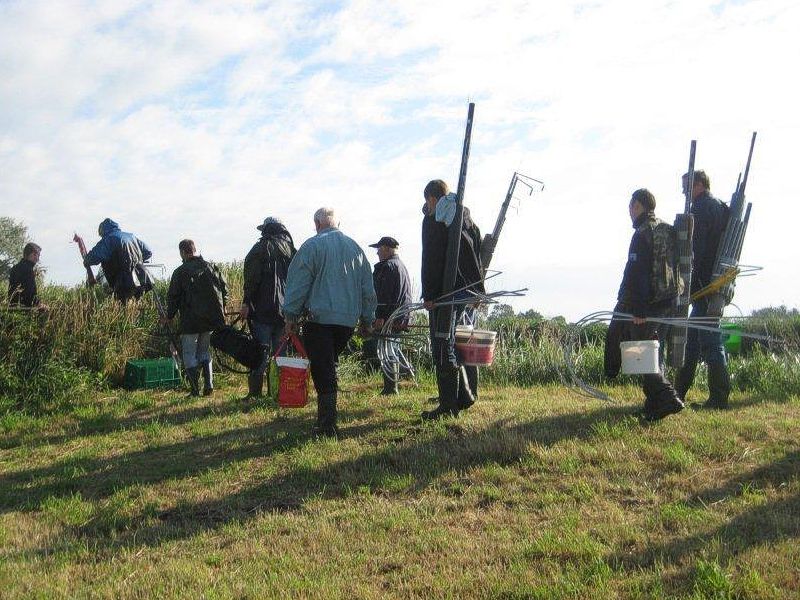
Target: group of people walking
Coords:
[(327, 287)]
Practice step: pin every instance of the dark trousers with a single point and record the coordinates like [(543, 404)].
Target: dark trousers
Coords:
[(708, 346), (323, 344)]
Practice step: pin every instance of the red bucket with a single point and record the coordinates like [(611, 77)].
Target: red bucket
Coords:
[(475, 347), (292, 376)]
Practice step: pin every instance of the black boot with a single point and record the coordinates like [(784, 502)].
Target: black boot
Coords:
[(465, 396), (193, 377), (684, 380), (661, 398), (447, 382), (473, 378), (255, 383), (208, 378), (390, 382), (719, 386), (326, 416)]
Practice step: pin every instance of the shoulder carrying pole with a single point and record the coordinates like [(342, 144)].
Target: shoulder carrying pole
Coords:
[(454, 234)]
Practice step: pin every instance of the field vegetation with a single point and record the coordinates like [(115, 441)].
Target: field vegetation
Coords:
[(536, 492)]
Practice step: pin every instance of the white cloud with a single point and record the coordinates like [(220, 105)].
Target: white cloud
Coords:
[(198, 119)]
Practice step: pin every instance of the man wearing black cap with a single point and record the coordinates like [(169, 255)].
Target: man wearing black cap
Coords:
[(393, 289), (265, 270)]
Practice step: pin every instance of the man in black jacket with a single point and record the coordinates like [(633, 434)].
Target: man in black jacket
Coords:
[(393, 289), (637, 297), (265, 270), (198, 291), (457, 387), (22, 279), (710, 220)]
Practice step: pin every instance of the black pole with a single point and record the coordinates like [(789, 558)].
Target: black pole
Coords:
[(454, 234)]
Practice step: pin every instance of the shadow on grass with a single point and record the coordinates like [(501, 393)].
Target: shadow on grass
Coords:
[(97, 478), (420, 455), (765, 523), (105, 423)]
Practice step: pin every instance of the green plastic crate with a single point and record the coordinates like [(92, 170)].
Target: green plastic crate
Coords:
[(148, 373), (732, 337)]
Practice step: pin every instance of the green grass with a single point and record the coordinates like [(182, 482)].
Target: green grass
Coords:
[(533, 493)]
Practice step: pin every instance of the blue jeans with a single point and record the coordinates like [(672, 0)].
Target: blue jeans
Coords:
[(703, 344), (708, 346), (267, 334), (195, 348)]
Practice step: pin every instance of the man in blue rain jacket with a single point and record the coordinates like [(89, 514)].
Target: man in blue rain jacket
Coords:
[(121, 255)]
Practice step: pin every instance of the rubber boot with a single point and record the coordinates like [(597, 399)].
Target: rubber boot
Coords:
[(208, 378), (326, 416), (661, 398), (447, 382), (473, 378), (719, 386), (465, 397), (684, 380), (193, 377), (255, 383), (390, 382)]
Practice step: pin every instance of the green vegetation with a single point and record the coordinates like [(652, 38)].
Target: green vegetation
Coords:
[(533, 493)]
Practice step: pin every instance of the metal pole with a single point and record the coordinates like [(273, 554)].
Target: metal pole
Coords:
[(454, 233)]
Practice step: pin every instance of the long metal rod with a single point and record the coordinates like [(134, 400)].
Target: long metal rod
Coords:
[(454, 232)]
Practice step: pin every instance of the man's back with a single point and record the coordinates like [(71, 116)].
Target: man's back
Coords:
[(330, 277), (710, 219), (197, 289)]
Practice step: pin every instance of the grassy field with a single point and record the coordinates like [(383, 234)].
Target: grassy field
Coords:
[(534, 493)]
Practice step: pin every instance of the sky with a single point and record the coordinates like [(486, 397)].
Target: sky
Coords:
[(199, 119)]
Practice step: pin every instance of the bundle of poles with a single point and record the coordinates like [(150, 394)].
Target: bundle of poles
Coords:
[(726, 265)]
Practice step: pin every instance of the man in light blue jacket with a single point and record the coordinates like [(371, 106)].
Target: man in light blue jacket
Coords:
[(330, 281)]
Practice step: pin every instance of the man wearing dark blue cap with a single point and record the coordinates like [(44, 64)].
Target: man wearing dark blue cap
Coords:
[(393, 289)]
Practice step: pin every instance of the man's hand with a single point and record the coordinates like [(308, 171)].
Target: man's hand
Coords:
[(244, 310), (428, 304), (377, 324), (639, 320), (289, 328), (365, 329)]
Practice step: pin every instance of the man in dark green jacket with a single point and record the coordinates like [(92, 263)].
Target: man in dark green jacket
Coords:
[(198, 291)]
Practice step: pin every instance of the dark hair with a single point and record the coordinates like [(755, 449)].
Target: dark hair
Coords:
[(186, 246), (30, 248), (436, 188), (644, 197), (700, 177)]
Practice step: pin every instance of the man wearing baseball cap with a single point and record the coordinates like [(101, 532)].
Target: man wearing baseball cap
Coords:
[(393, 289)]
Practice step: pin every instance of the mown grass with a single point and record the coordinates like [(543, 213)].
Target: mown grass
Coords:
[(533, 493)]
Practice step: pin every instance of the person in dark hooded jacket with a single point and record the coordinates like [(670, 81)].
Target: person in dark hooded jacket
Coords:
[(121, 255), (265, 269), (198, 291)]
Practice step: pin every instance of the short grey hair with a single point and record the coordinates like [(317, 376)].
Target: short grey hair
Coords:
[(326, 217)]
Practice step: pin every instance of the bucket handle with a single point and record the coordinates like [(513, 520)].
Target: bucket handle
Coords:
[(298, 345)]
